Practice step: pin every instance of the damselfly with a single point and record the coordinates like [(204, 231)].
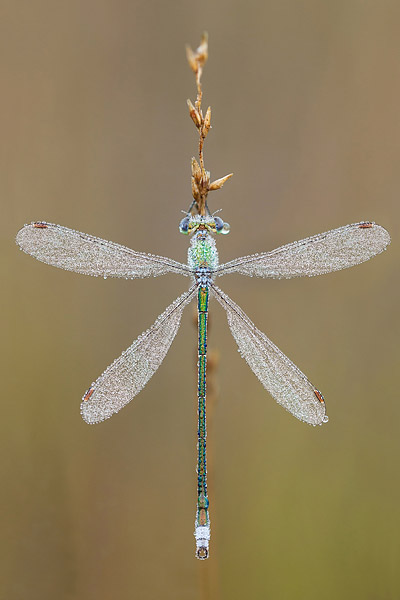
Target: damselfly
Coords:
[(128, 374)]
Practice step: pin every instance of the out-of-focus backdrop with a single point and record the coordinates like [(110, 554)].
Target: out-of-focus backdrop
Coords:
[(96, 136)]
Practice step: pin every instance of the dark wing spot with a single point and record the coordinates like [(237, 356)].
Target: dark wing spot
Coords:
[(88, 394), (40, 225), (366, 225), (319, 396)]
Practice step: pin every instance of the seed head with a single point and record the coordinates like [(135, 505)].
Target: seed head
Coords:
[(196, 170), (207, 122), (194, 113), (198, 58), (218, 183)]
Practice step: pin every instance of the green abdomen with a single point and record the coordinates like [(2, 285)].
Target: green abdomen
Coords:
[(202, 499)]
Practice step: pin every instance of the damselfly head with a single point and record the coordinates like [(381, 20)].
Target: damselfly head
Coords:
[(192, 223)]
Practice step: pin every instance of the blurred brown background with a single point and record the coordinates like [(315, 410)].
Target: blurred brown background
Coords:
[(96, 136)]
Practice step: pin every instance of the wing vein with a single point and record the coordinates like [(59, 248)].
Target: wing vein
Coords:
[(283, 380), (130, 372), (316, 255), (86, 254)]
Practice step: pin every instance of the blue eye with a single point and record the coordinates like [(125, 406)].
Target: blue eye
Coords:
[(184, 225), (221, 226), (218, 223)]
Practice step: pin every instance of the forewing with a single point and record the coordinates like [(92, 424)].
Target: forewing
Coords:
[(330, 251), (129, 373), (82, 253), (283, 380)]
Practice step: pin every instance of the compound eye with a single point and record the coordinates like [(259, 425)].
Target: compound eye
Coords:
[(218, 223), (184, 225), (220, 226)]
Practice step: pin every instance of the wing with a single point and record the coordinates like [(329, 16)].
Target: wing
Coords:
[(331, 251), (75, 251), (284, 381), (129, 373)]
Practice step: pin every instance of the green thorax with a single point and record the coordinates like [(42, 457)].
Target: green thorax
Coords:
[(202, 251)]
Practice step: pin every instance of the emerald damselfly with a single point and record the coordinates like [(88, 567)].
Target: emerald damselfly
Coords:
[(127, 375)]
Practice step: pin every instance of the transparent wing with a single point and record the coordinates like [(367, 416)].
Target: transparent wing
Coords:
[(283, 380), (331, 251), (129, 373), (75, 251)]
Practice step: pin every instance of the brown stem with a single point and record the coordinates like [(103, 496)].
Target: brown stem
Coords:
[(201, 177)]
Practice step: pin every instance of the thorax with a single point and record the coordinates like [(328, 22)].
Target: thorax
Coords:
[(203, 257)]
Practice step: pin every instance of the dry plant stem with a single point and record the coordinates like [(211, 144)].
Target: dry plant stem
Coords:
[(202, 137), (200, 177)]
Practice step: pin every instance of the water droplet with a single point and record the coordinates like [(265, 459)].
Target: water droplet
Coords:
[(325, 419), (104, 276)]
